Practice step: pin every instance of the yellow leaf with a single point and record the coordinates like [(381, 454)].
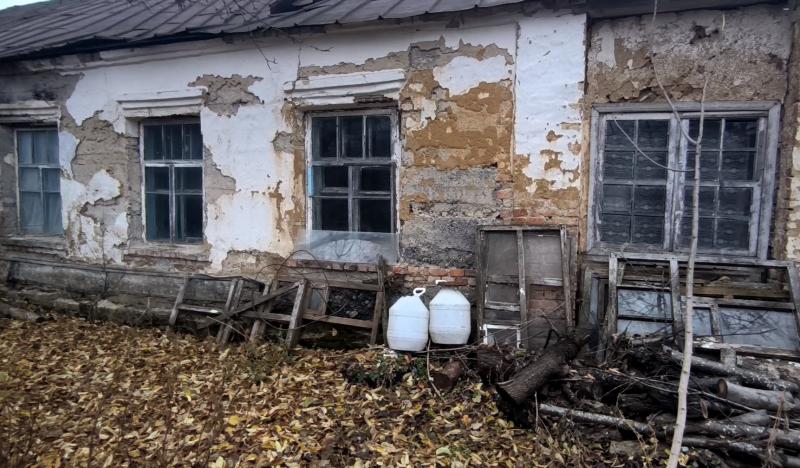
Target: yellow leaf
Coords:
[(233, 420), (218, 463)]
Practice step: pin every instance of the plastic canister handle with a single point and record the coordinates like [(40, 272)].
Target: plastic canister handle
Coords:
[(419, 291)]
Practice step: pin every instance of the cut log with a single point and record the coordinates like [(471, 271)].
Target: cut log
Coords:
[(491, 364), (594, 418), (779, 459), (755, 418), (532, 377), (737, 430), (446, 378), (19, 314), (756, 398), (747, 377)]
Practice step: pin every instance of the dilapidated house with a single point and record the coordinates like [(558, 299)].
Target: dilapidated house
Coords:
[(145, 140)]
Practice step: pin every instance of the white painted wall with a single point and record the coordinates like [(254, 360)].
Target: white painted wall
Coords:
[(549, 53)]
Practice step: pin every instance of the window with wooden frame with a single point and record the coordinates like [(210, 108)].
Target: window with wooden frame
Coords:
[(172, 155), (352, 178), (39, 181), (643, 177)]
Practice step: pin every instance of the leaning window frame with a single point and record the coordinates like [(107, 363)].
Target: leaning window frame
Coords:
[(391, 161), (767, 144), (170, 164), (57, 165)]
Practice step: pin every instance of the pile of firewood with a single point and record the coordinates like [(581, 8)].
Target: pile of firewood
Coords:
[(732, 410)]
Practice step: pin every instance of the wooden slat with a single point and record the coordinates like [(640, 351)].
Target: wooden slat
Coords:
[(319, 284), (252, 305), (794, 288), (523, 289), (201, 309), (377, 312), (610, 319), (481, 263), (566, 279), (675, 295), (173, 316), (296, 318), (257, 331), (225, 330)]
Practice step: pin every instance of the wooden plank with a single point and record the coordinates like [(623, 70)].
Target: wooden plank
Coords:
[(502, 306), (224, 333), (481, 279), (712, 260), (296, 318), (566, 279), (508, 279), (610, 319), (173, 316), (335, 319), (201, 309), (257, 331), (377, 312), (675, 295), (319, 284), (252, 305), (523, 289), (748, 350), (794, 288)]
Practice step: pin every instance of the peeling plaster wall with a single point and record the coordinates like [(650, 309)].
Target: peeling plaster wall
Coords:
[(489, 116)]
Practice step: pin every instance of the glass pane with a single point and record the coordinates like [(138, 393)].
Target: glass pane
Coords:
[(333, 214), (653, 134), (45, 147), (189, 217), (738, 165), (711, 132), (188, 179), (380, 136), (617, 165), (323, 131), (647, 167), (616, 130), (173, 141), (740, 133), (705, 235), (156, 179), (636, 327), (758, 328), (52, 213), (29, 179), (616, 198), (375, 215), (615, 228), (351, 136), (648, 230), (649, 199), (735, 201), (653, 304), (153, 143), (376, 179), (25, 147), (701, 320), (334, 178), (157, 208), (51, 180), (192, 142), (709, 166), (733, 234), (31, 212), (708, 199)]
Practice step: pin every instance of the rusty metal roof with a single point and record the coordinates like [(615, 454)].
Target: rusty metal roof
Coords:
[(69, 26)]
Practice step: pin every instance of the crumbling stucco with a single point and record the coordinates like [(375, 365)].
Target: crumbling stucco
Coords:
[(224, 95)]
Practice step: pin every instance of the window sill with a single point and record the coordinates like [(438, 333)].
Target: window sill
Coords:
[(52, 243), (190, 252)]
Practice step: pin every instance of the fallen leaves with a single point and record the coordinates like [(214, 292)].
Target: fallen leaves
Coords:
[(74, 392)]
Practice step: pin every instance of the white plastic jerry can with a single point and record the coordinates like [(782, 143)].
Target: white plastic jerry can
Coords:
[(450, 318), (408, 323)]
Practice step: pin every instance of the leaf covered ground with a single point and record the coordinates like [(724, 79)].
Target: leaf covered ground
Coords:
[(78, 393)]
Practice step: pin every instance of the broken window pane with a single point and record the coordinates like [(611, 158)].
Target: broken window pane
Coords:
[(333, 214), (352, 136), (153, 142), (740, 133), (653, 134), (376, 179), (380, 136), (334, 177), (158, 220), (618, 165), (375, 215), (617, 198), (188, 179), (616, 131), (615, 228), (324, 136), (189, 217)]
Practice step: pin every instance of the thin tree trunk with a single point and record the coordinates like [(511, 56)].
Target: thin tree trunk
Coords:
[(688, 333)]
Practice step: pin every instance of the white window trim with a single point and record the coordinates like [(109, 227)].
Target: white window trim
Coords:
[(768, 110), (184, 163), (19, 229), (394, 159)]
